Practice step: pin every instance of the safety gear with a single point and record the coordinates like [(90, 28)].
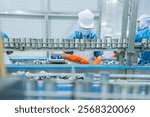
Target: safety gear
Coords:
[(6, 57), (81, 60), (143, 33), (86, 22), (143, 24), (4, 36), (113, 56), (144, 21), (75, 58), (82, 33), (89, 55), (85, 32), (145, 16), (98, 53), (144, 57), (86, 19), (98, 60)]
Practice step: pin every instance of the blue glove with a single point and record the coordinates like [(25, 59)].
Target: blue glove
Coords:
[(145, 57), (5, 36), (98, 53)]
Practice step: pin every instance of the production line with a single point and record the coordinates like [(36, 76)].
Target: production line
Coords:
[(50, 76), (53, 48), (54, 78), (54, 60), (46, 78), (44, 61)]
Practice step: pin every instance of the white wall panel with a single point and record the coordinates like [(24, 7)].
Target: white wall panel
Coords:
[(60, 28), (22, 26), (144, 7), (33, 5), (72, 5)]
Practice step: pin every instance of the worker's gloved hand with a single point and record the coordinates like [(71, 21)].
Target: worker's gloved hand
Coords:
[(113, 56), (64, 55), (74, 58), (98, 60), (69, 52), (117, 53)]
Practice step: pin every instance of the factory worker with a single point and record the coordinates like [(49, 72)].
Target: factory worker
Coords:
[(7, 53), (86, 24), (143, 32)]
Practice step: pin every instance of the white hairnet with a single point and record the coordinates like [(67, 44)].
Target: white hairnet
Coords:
[(145, 16), (86, 19), (144, 21)]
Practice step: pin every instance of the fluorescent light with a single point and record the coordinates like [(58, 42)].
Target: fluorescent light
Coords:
[(5, 12), (113, 1), (19, 12), (104, 23)]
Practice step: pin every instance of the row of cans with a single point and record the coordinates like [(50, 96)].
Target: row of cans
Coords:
[(146, 43), (65, 43)]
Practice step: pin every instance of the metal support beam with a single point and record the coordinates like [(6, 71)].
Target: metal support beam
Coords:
[(132, 32), (100, 16), (125, 19), (121, 55), (46, 4), (41, 14), (46, 22)]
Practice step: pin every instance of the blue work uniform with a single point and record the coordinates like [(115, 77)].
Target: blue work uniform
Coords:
[(6, 57), (79, 34), (4, 36), (140, 35)]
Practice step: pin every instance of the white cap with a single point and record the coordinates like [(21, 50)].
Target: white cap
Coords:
[(142, 17), (144, 21), (86, 19)]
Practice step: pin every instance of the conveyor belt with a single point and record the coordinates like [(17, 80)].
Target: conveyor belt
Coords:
[(27, 59), (75, 66), (66, 68), (30, 59)]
